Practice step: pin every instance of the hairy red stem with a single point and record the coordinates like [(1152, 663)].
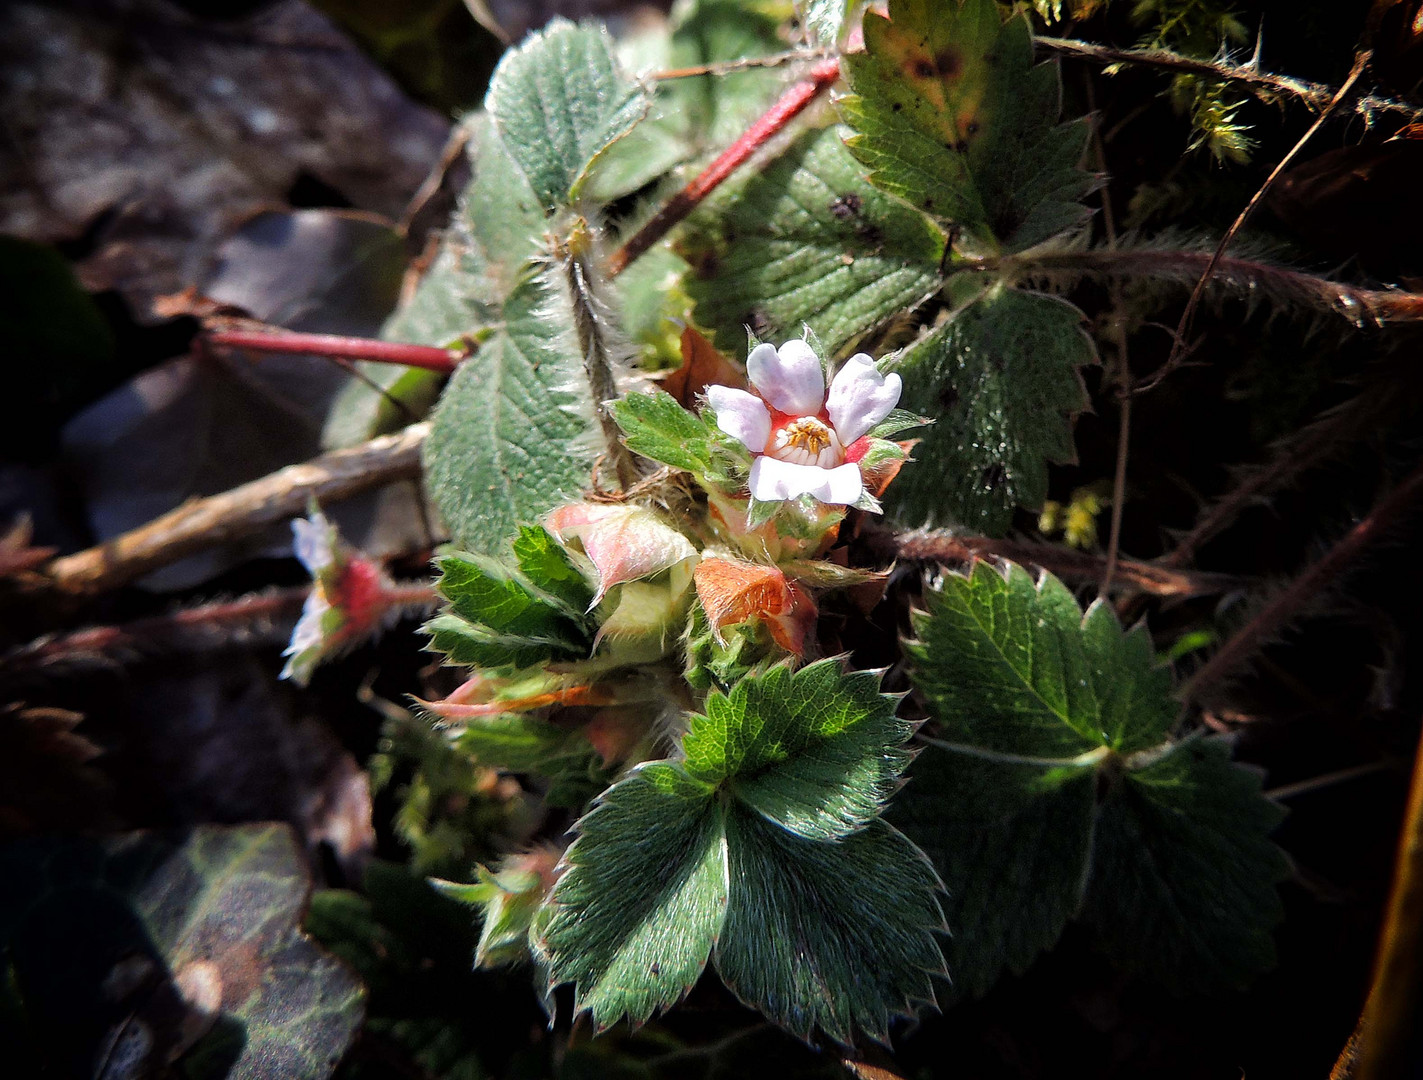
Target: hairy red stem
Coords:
[(429, 357), (790, 105)]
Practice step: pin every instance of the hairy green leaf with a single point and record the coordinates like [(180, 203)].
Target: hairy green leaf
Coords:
[(656, 426), (835, 936), (1183, 875), (952, 115), (763, 841), (545, 563), (106, 939), (635, 914), (1054, 791), (1011, 842), (559, 101), (808, 241), (1001, 378), (1016, 668), (518, 742), (816, 751), (514, 434)]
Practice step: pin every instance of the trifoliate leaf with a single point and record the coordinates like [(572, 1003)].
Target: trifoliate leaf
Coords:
[(635, 914), (514, 433), (157, 952), (1183, 877), (808, 241), (952, 115), (816, 751), (831, 936), (559, 101), (1001, 377), (1053, 790), (761, 847)]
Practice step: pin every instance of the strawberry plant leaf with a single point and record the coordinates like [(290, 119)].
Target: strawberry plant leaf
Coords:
[(952, 115), (836, 936), (762, 848), (816, 751), (1183, 875), (808, 241), (559, 101), (655, 425), (544, 562), (1011, 842), (635, 914), (1054, 791), (514, 433), (1001, 377)]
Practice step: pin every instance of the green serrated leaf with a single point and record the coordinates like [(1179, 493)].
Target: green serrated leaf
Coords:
[(545, 563), (1015, 668), (762, 842), (559, 101), (100, 936), (816, 751), (635, 914), (514, 433), (1042, 708), (952, 115), (471, 645), (837, 936), (1011, 842), (1183, 875), (518, 742), (656, 426), (484, 591), (808, 241), (1001, 378)]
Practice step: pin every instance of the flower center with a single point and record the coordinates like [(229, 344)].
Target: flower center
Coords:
[(806, 441)]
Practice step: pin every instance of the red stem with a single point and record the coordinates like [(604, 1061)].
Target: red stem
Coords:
[(429, 357), (790, 105)]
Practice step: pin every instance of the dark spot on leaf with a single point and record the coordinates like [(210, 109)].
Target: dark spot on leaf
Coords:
[(960, 146), (994, 476), (871, 234), (843, 207), (928, 203), (924, 68), (897, 106), (949, 63), (971, 128), (656, 968)]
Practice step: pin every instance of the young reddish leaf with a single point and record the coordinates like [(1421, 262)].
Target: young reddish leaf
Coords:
[(733, 592)]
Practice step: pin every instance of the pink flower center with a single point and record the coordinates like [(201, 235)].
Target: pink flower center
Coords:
[(806, 441)]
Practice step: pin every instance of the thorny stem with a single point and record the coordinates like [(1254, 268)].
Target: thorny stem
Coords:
[(790, 105), (428, 357), (1362, 307), (1178, 344), (264, 616), (1305, 588), (1065, 563), (218, 519), (1315, 95), (1311, 445), (1388, 1040)]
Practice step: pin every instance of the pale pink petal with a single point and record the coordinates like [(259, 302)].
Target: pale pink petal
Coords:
[(741, 415), (312, 542), (774, 481), (790, 377), (860, 397)]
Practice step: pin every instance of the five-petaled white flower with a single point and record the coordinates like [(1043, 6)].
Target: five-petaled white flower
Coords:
[(805, 442)]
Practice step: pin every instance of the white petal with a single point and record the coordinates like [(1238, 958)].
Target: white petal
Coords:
[(790, 377), (860, 397), (741, 415), (775, 481), (311, 541), (307, 631)]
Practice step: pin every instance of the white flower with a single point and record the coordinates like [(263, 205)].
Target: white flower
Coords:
[(805, 441)]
